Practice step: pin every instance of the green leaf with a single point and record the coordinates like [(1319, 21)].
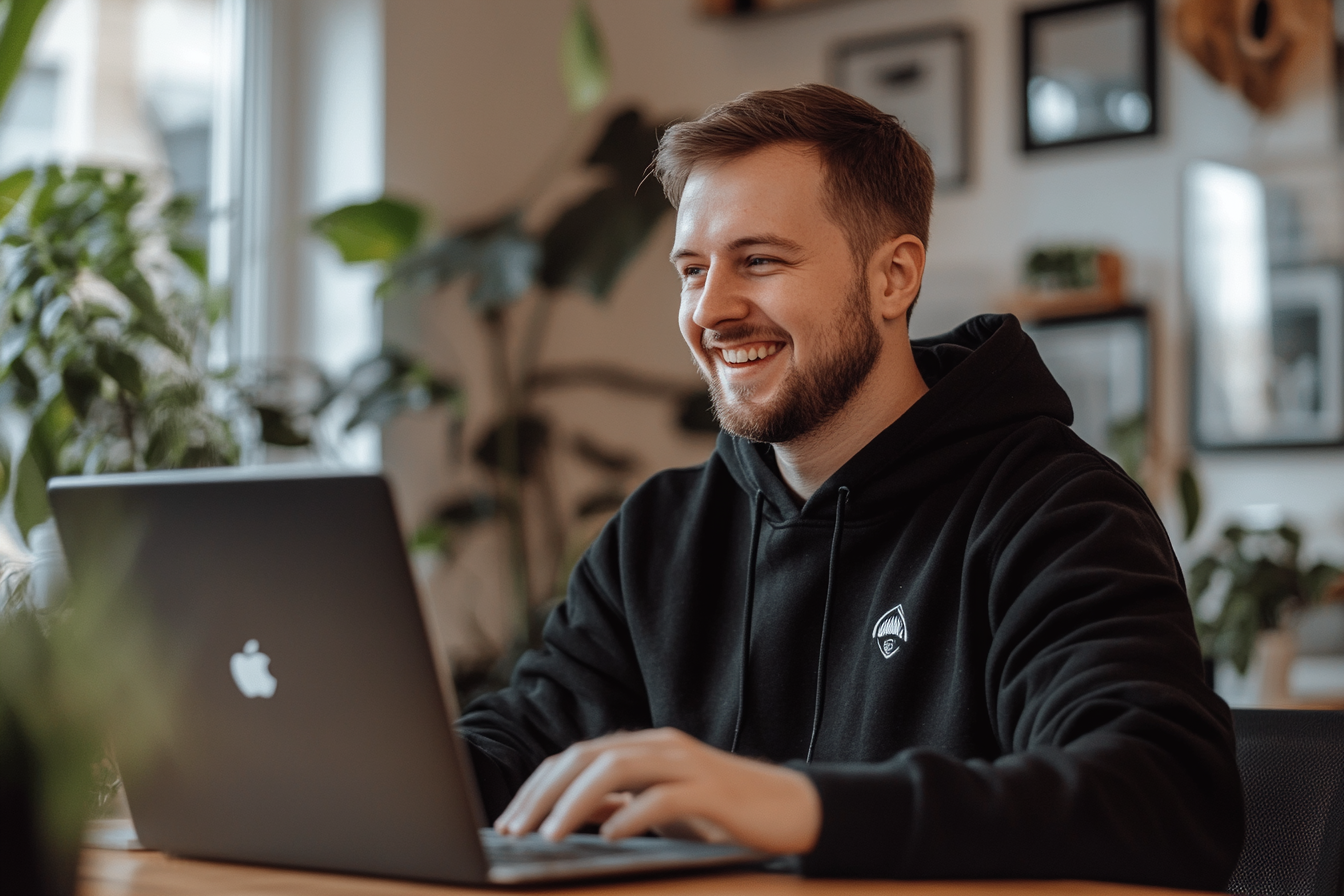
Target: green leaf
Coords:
[(590, 244), (381, 230), (278, 427), (82, 385), (429, 537), (30, 495), (506, 263), (1190, 501), (45, 202), (154, 325), (6, 464), (122, 366), (13, 187), (52, 315), (515, 444), (18, 28), (468, 510), (626, 148), (13, 341), (421, 271), (194, 257), (133, 285), (583, 60)]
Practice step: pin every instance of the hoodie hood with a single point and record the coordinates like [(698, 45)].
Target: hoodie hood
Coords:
[(985, 378)]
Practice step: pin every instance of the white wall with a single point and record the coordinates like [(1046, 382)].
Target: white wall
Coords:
[(474, 105)]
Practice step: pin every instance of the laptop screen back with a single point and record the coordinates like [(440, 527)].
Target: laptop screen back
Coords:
[(311, 726)]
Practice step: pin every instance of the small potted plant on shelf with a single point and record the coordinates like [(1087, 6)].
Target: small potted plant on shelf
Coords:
[(1246, 594)]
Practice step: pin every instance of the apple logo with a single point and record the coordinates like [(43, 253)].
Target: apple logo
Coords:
[(251, 671)]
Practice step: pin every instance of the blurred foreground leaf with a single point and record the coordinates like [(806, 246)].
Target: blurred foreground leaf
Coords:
[(20, 17), (381, 230)]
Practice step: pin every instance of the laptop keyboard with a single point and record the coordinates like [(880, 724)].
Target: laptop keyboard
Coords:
[(526, 850), (535, 849)]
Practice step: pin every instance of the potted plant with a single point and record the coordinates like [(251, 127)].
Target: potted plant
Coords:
[(1245, 593), (517, 279)]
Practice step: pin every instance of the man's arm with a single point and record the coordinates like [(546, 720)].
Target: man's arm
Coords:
[(583, 682), (1118, 764)]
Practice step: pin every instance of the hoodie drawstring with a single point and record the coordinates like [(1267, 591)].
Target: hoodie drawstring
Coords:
[(746, 617), (840, 499)]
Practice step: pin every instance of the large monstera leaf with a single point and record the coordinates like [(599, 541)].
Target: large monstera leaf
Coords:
[(591, 242)]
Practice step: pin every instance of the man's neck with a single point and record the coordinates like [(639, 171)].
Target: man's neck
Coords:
[(893, 386)]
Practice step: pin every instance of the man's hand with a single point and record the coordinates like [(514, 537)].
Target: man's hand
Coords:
[(634, 782)]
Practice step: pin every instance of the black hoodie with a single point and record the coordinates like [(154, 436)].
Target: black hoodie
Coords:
[(973, 638)]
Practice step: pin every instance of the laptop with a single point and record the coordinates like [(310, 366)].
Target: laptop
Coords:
[(313, 727)]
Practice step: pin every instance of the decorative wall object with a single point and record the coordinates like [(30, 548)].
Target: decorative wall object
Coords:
[(1101, 361), (1089, 73), (1304, 388), (1268, 340), (921, 77), (1254, 46)]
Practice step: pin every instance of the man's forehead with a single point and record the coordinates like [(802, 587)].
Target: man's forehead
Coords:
[(761, 197), (792, 154)]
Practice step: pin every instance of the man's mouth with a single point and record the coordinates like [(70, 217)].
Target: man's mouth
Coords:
[(745, 354)]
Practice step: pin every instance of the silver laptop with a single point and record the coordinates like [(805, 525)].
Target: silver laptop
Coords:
[(313, 727)]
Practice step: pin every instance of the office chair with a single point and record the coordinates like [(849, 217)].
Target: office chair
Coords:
[(1292, 771)]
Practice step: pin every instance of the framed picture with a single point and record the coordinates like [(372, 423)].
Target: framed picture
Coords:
[(1089, 73), (1297, 394), (922, 78), (1101, 361)]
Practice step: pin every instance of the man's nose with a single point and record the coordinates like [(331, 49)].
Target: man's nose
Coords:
[(721, 300)]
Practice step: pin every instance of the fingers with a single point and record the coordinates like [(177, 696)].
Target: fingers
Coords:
[(628, 767), (676, 779), (610, 805), (538, 796)]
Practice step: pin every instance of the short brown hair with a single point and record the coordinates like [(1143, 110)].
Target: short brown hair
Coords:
[(879, 180)]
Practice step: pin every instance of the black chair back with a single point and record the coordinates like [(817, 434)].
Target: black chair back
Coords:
[(1292, 771)]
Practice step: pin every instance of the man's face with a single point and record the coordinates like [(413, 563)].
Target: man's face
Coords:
[(777, 316)]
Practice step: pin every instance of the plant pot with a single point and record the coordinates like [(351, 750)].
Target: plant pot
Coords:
[(1265, 683)]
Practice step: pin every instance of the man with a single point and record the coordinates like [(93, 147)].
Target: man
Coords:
[(903, 622)]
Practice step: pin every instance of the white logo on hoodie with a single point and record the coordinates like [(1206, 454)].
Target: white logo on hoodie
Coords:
[(890, 631)]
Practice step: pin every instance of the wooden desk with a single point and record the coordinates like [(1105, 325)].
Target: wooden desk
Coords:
[(112, 873)]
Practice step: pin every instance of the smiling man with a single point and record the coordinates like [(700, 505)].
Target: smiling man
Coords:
[(903, 622)]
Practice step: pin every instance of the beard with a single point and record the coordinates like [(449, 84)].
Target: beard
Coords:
[(806, 399)]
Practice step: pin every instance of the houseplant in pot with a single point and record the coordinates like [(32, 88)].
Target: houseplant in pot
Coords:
[(1245, 594)]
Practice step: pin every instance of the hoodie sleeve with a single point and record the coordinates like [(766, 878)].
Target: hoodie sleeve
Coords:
[(582, 683), (1118, 762)]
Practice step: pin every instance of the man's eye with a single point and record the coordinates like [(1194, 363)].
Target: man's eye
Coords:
[(692, 270), (757, 262)]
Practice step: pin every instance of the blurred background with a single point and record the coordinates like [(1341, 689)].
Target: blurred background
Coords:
[(420, 227)]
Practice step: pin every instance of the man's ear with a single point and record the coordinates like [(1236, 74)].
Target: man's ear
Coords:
[(900, 264)]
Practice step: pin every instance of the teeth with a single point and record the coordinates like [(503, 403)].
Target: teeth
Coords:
[(743, 355)]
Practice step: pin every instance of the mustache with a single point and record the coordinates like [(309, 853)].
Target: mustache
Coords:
[(712, 339)]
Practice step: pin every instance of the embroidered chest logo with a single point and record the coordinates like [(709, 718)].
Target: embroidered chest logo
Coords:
[(890, 631)]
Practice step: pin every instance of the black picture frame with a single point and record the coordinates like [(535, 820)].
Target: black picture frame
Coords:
[(1114, 116), (1306, 382), (922, 67)]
